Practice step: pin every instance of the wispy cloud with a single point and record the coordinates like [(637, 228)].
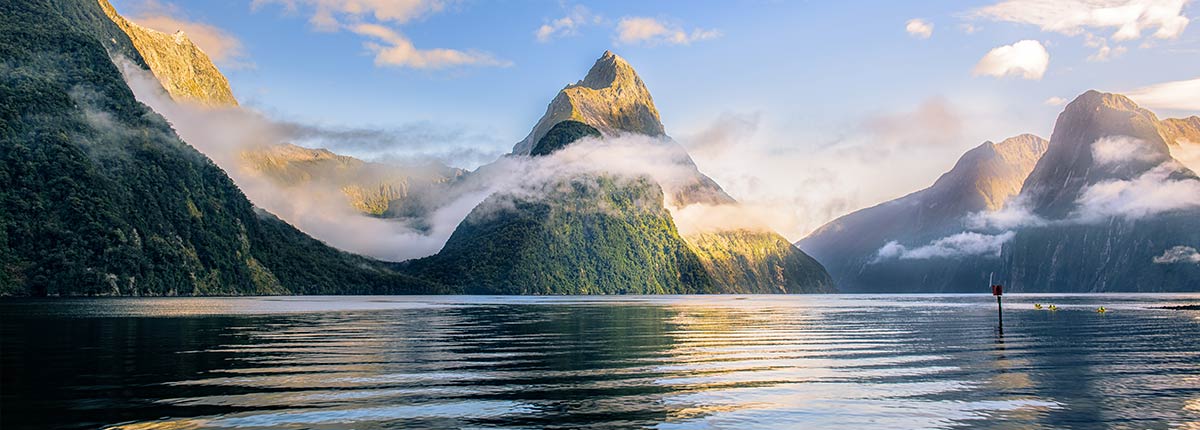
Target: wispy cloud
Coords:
[(221, 46), (919, 28), (393, 49), (375, 19), (650, 31), (1056, 101), (1127, 19), (330, 15), (578, 16), (1180, 95), (965, 244), (1027, 59)]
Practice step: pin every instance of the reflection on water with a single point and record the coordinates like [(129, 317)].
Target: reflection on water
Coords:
[(852, 362)]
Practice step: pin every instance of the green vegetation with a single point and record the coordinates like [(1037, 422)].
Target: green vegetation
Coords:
[(588, 235), (562, 134), (99, 197), (758, 262)]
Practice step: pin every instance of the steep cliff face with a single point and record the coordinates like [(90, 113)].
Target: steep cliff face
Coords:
[(184, 70), (611, 98), (983, 179), (98, 196), (1113, 200), (1069, 164)]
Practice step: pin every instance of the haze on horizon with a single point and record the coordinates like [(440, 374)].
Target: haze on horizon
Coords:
[(791, 118)]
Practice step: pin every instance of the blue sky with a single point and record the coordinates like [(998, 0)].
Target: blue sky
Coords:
[(803, 84)]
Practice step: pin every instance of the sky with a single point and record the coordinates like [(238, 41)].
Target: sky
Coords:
[(808, 110)]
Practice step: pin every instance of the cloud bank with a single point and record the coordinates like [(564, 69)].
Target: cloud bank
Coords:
[(965, 244)]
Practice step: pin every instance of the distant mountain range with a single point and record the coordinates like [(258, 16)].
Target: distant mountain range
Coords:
[(1105, 206), (99, 196)]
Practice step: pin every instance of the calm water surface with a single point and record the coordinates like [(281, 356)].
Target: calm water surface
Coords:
[(848, 362)]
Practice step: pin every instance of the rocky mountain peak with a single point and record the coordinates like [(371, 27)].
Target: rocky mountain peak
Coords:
[(612, 98), (990, 174), (183, 69), (1068, 165)]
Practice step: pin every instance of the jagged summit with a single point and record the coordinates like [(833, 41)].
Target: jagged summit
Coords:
[(1068, 165), (611, 98), (184, 70)]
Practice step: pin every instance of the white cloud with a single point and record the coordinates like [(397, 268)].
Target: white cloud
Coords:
[(579, 16), (1027, 59), (221, 46), (1056, 101), (1015, 214), (969, 28), (963, 244), (650, 31), (328, 15), (919, 28), (1181, 95), (1128, 19), (1121, 149), (393, 49), (1179, 254), (1159, 190), (1103, 51)]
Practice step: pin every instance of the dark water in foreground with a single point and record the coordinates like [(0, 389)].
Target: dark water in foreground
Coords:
[(851, 362)]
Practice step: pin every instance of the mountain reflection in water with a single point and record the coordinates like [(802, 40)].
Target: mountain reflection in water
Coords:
[(852, 362)]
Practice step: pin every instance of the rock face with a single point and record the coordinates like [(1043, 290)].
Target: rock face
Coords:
[(1106, 151), (983, 179), (99, 197), (184, 70), (611, 98)]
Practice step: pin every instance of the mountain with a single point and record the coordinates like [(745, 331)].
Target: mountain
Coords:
[(1112, 201), (376, 189), (590, 232), (98, 196), (983, 179), (1105, 207), (611, 98), (184, 70)]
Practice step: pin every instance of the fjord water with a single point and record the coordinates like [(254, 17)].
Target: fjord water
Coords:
[(853, 362)]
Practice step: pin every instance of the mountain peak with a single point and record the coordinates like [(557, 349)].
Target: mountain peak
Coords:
[(1092, 99), (1068, 165), (611, 98), (610, 70)]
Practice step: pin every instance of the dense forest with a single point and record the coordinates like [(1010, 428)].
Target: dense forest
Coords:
[(99, 197), (590, 235)]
